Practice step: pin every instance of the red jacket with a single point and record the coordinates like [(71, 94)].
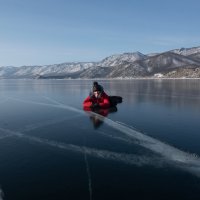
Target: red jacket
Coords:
[(103, 101)]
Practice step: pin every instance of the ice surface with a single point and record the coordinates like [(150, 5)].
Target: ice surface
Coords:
[(179, 158)]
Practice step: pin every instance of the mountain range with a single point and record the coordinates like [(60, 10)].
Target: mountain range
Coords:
[(177, 63)]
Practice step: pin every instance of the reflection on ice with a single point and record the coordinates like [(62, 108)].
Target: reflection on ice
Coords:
[(96, 121)]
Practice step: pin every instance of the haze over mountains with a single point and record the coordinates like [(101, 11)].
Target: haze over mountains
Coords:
[(177, 63)]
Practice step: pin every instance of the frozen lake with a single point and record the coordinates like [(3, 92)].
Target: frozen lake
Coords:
[(50, 148)]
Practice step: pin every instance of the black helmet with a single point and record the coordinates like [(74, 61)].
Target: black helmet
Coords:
[(97, 87)]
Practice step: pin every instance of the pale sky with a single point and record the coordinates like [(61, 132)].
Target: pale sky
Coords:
[(39, 32)]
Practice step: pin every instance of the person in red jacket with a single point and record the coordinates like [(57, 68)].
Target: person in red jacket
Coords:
[(97, 99)]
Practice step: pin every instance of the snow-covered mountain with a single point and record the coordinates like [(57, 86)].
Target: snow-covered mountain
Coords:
[(116, 60), (182, 61), (7, 71), (167, 61), (186, 51), (46, 70)]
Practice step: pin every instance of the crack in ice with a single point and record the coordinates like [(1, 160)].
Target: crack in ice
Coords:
[(47, 123), (103, 154), (88, 173), (1, 194)]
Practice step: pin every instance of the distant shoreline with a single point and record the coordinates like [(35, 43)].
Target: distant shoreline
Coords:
[(68, 79)]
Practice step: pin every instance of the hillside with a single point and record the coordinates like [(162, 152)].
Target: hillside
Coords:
[(177, 63)]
